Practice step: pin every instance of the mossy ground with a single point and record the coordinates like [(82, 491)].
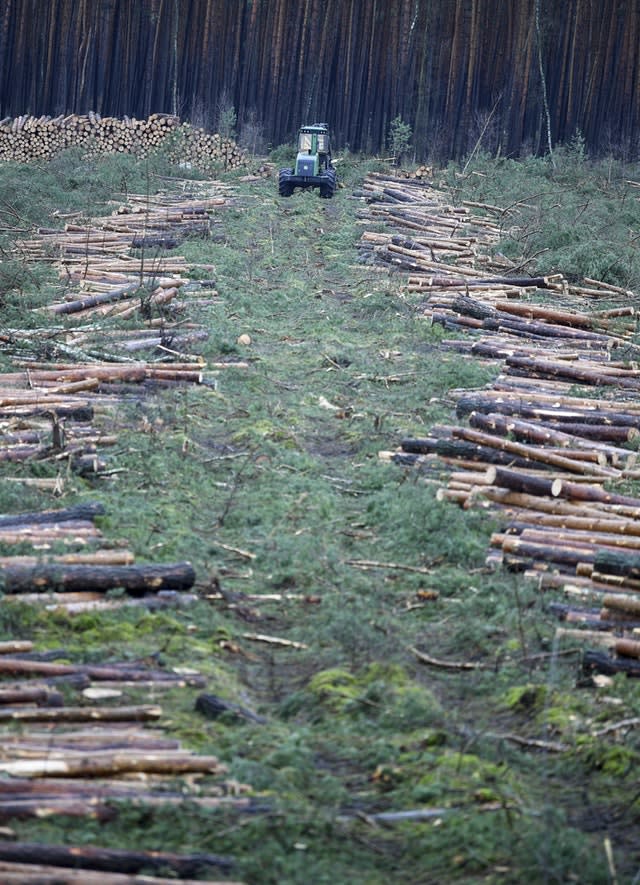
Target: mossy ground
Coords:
[(268, 480)]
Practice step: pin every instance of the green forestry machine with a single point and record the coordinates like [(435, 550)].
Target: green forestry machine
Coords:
[(313, 163)]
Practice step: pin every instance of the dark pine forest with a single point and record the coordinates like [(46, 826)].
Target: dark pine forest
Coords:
[(524, 74)]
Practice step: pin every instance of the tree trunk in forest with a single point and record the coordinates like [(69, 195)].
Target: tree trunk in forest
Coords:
[(479, 78)]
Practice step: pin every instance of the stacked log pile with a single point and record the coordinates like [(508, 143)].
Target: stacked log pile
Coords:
[(119, 268), (123, 266), (86, 743), (85, 748), (73, 568), (124, 263), (553, 466), (62, 413), (28, 139)]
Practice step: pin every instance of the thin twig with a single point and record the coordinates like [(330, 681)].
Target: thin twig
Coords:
[(274, 640), (615, 726), (244, 554), (373, 564), (447, 665)]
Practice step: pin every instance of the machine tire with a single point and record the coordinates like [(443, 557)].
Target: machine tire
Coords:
[(328, 186), (285, 188)]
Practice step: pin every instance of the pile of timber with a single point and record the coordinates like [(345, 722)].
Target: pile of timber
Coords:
[(86, 747), (73, 567), (123, 267), (428, 237), (553, 467), (453, 249), (62, 413), (26, 139), (118, 268)]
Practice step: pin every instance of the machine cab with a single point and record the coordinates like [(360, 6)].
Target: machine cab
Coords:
[(313, 139), (314, 150), (313, 167)]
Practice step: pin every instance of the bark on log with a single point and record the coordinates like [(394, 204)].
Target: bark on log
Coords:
[(117, 556), (15, 646), (583, 492), (60, 577), (548, 314), (41, 807), (140, 713), (86, 511), (627, 648), (39, 696), (506, 498), (470, 451), (601, 432), (111, 859), (618, 563), (567, 556), (536, 454), (81, 304), (19, 667), (600, 377), (543, 434), (622, 602), (107, 765), (594, 539), (523, 482), (25, 874), (600, 662), (545, 411)]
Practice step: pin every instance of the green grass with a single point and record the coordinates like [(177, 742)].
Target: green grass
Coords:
[(279, 463)]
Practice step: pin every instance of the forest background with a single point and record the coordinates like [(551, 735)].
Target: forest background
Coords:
[(521, 75)]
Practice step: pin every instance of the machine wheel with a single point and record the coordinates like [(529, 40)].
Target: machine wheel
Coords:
[(285, 188), (328, 186)]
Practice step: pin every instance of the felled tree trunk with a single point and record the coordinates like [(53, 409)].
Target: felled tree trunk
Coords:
[(59, 577), (80, 512), (111, 859)]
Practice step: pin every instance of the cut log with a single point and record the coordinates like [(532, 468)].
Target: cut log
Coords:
[(47, 670), (545, 553), (622, 602), (40, 696), (94, 300), (571, 372), (111, 859), (536, 454), (523, 482), (548, 314), (458, 448), (546, 411), (39, 874), (618, 563), (83, 512), (140, 713), (627, 648), (600, 662), (15, 646), (108, 765), (545, 434), (60, 577)]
